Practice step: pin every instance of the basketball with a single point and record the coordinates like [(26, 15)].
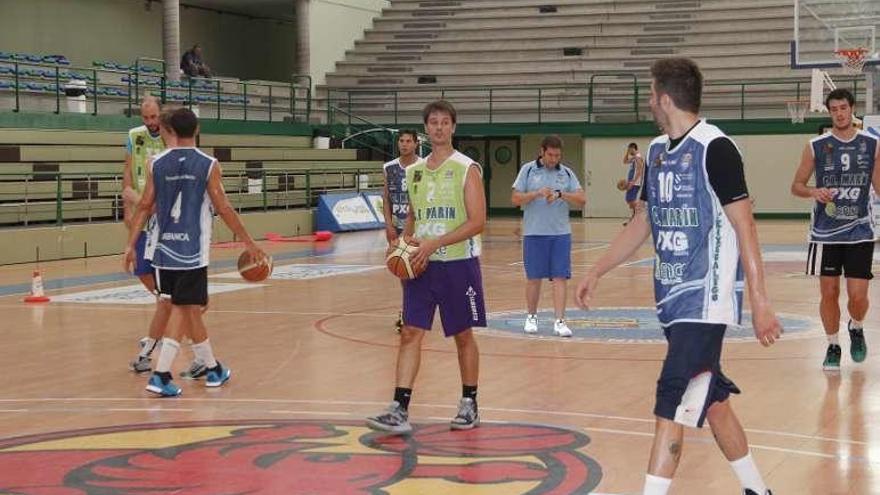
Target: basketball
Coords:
[(251, 271), (397, 260), (621, 185)]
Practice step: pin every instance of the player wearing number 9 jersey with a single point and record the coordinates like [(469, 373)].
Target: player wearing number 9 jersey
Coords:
[(841, 231)]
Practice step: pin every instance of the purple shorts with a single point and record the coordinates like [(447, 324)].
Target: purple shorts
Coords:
[(455, 286)]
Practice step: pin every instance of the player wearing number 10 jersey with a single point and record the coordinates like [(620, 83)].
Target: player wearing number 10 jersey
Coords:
[(841, 231)]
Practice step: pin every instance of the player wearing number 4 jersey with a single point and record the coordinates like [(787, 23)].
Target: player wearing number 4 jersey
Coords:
[(841, 231), (182, 185)]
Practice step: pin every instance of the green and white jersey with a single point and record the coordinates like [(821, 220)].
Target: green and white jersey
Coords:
[(437, 201), (142, 146)]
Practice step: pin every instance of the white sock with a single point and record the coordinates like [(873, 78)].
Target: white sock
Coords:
[(204, 353), (167, 355), (855, 324), (748, 474), (148, 345), (832, 339), (655, 485)]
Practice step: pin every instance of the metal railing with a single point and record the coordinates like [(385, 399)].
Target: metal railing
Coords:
[(612, 93), (355, 131), (60, 198), (120, 90)]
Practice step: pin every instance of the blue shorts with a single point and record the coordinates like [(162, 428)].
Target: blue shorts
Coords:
[(691, 379), (456, 287), (632, 194), (142, 266), (547, 256)]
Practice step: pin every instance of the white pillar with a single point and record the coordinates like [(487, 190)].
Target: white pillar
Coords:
[(171, 38), (303, 64)]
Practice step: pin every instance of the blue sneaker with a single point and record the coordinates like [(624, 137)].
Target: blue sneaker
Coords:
[(164, 389), (217, 376)]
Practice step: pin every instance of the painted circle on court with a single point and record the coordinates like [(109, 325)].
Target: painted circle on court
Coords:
[(298, 456), (627, 325)]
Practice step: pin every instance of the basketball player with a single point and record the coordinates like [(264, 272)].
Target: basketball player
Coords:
[(447, 213), (395, 201), (546, 189), (841, 230), (633, 159), (704, 237), (143, 142), (179, 185)]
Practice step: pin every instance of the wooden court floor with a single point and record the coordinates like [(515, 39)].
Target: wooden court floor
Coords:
[(312, 354)]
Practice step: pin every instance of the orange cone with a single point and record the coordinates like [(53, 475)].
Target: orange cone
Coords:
[(37, 295)]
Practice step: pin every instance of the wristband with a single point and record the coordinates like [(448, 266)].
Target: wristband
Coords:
[(559, 194)]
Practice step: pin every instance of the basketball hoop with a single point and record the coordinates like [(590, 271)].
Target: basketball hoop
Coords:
[(852, 59), (797, 110)]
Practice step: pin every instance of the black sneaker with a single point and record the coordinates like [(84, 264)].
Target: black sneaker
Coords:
[(196, 370), (832, 358), (751, 492), (858, 349)]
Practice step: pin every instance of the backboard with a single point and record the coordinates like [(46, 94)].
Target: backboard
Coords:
[(823, 26)]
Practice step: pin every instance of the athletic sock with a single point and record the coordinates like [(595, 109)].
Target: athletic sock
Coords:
[(655, 485), (167, 355), (402, 396), (748, 474)]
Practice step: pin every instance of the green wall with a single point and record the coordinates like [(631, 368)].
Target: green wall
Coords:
[(122, 30)]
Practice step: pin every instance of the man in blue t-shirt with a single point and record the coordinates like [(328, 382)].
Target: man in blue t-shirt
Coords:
[(546, 190), (697, 209)]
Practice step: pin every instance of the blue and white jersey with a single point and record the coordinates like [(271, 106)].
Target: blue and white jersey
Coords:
[(395, 179), (846, 167), (631, 172), (697, 273), (182, 237)]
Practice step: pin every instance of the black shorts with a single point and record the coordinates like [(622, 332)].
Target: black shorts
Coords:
[(834, 260), (183, 287), (691, 379)]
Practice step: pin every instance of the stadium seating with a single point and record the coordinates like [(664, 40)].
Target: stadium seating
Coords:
[(416, 49), (83, 169)]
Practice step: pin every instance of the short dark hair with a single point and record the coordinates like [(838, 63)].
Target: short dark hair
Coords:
[(165, 116), (438, 106), (551, 141), (681, 79), (633, 146), (840, 94), (184, 122), (413, 134)]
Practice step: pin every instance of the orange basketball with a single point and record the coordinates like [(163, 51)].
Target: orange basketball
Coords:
[(397, 260), (621, 185), (251, 271)]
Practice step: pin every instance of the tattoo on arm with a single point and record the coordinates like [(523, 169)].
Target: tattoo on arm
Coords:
[(675, 450)]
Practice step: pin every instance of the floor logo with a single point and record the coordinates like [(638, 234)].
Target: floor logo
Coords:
[(136, 294), (626, 325), (308, 457), (309, 271)]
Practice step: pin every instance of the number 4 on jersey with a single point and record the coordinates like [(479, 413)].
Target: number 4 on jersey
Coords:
[(175, 210)]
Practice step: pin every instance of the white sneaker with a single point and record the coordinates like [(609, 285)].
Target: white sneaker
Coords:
[(531, 325), (560, 329)]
